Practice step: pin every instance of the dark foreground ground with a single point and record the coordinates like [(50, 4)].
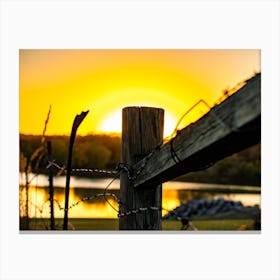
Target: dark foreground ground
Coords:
[(222, 224)]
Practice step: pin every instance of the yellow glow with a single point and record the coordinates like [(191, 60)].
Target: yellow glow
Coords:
[(170, 200), (104, 81), (39, 205), (95, 209), (113, 122)]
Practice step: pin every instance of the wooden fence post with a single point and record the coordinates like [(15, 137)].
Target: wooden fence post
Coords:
[(142, 131)]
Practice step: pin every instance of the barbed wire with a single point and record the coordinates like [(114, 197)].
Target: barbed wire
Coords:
[(175, 133), (115, 197), (169, 139), (81, 170), (106, 194), (120, 167), (86, 198), (132, 175), (102, 171), (139, 210)]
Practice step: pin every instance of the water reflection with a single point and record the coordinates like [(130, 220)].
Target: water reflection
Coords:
[(39, 205), (59, 181), (174, 193)]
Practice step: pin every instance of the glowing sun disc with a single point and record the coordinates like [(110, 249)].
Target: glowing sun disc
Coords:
[(113, 123)]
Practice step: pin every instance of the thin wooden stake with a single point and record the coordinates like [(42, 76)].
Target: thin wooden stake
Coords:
[(51, 190), (27, 195), (77, 121)]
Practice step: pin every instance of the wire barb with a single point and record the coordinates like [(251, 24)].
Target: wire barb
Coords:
[(131, 174), (139, 210), (82, 170)]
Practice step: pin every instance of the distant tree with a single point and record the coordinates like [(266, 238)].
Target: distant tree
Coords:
[(103, 152), (91, 155), (243, 168)]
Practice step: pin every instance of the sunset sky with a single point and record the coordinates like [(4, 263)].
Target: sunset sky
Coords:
[(105, 81)]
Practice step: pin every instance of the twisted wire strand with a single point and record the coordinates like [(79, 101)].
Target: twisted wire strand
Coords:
[(82, 170), (128, 169), (105, 193), (132, 175)]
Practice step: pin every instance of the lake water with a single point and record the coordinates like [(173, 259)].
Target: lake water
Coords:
[(173, 194)]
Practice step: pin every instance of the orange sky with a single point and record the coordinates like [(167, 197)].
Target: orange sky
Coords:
[(105, 81)]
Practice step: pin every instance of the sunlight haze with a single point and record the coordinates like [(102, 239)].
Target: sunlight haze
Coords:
[(105, 81)]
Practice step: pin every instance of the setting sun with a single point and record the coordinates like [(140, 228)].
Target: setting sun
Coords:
[(105, 81), (113, 123)]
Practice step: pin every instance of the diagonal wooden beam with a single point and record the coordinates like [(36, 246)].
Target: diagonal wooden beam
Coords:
[(229, 127)]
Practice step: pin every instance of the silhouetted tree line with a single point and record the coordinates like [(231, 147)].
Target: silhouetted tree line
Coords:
[(243, 168), (103, 152), (92, 151)]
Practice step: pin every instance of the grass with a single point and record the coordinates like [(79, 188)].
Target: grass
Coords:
[(233, 224), (113, 224)]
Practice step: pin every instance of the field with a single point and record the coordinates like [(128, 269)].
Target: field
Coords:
[(112, 224)]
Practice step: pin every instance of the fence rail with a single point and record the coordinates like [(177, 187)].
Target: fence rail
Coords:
[(146, 163), (228, 128)]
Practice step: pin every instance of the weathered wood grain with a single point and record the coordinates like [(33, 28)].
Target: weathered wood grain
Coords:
[(142, 130), (228, 128)]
